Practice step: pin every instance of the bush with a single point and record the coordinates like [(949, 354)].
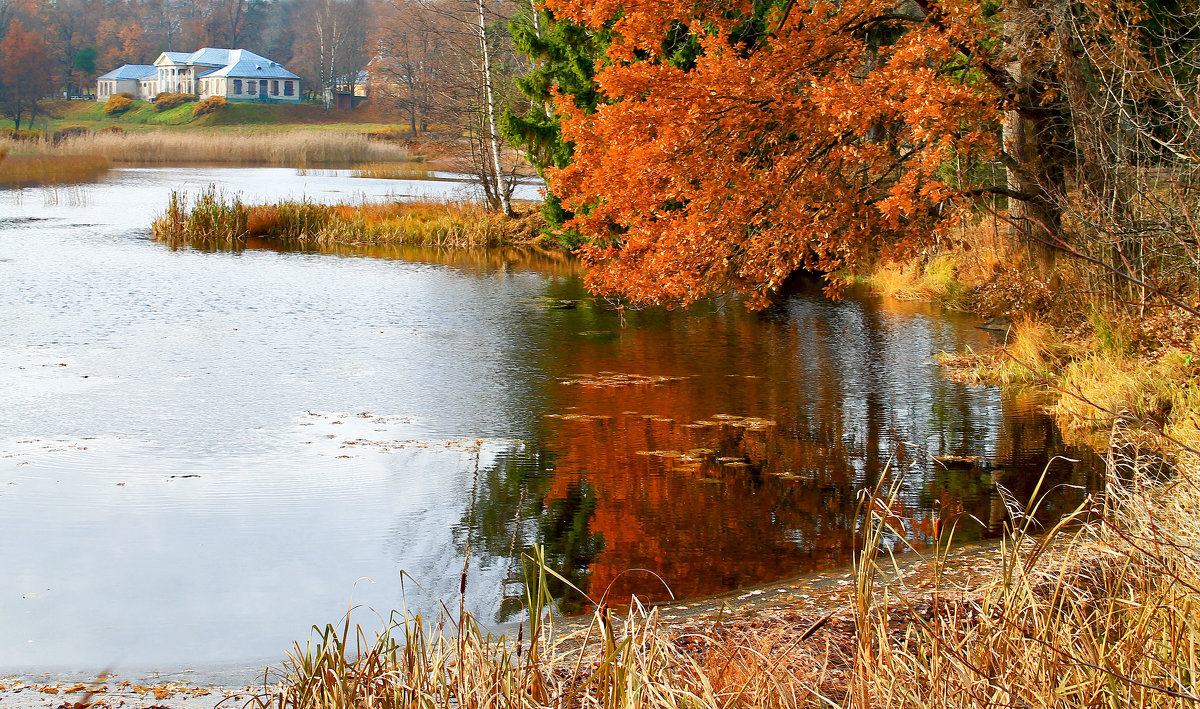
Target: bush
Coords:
[(165, 102), (111, 130), (212, 104), (117, 104), (389, 134), (70, 132), (28, 136)]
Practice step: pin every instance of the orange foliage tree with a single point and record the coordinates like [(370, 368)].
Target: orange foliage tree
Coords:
[(25, 73), (799, 137)]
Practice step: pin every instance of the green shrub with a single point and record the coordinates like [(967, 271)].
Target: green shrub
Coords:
[(117, 104), (165, 101), (212, 104)]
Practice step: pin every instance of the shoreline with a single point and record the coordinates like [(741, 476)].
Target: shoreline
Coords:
[(801, 600)]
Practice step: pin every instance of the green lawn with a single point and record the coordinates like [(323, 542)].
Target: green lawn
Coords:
[(144, 116)]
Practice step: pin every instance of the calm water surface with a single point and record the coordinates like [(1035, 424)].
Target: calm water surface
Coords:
[(203, 454)]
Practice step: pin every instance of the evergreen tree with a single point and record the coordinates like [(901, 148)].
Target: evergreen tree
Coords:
[(564, 57)]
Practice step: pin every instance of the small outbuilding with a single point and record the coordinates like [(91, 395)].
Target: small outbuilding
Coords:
[(129, 79)]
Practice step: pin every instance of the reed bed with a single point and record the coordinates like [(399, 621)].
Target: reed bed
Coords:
[(20, 170), (214, 221), (293, 148), (1103, 610), (393, 171)]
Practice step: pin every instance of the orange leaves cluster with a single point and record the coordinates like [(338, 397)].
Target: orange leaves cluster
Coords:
[(806, 151)]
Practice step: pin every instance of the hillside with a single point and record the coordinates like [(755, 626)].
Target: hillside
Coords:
[(144, 115)]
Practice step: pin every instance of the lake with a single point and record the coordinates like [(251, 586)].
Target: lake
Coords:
[(202, 454)]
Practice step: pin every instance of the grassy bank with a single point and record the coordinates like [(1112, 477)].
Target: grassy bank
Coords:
[(213, 221), (143, 115)]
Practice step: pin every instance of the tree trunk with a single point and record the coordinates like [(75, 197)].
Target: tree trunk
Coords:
[(1037, 218), (493, 134)]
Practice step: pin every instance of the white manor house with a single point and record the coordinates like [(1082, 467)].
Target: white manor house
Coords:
[(236, 74)]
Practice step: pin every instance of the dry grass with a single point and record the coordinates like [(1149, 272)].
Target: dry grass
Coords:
[(1100, 611), (1100, 615), (216, 222), (294, 148), (1103, 391), (630, 662), (393, 171), (935, 280), (19, 170)]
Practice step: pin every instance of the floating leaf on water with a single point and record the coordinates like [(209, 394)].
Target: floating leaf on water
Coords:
[(609, 379)]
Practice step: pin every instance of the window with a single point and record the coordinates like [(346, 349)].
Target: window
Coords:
[(253, 87), (274, 88), (237, 86), (287, 89)]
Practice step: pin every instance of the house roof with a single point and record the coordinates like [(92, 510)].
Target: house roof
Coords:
[(252, 66), (132, 71), (215, 61), (212, 56)]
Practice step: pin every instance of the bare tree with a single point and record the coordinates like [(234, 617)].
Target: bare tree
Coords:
[(335, 45), (467, 43)]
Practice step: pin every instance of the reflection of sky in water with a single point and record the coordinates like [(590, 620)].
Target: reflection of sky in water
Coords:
[(236, 438)]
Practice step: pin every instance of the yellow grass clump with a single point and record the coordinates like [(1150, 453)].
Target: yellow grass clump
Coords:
[(1101, 391)]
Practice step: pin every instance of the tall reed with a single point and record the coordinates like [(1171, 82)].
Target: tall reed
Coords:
[(292, 148), (21, 170), (215, 221)]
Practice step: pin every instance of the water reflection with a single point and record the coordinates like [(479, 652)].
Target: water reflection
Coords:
[(353, 417), (734, 453)]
